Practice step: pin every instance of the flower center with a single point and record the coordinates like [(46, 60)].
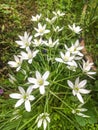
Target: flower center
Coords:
[(76, 88), (65, 58), (41, 31), (25, 96), (40, 81), (26, 44)]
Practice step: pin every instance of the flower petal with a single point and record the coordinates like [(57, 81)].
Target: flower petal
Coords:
[(32, 80), (82, 84), (29, 90), (80, 97), (84, 91), (77, 81), (38, 75), (19, 102), (59, 60), (15, 95), (22, 91), (45, 76), (44, 124), (42, 90), (31, 97), (70, 84), (27, 105), (39, 123)]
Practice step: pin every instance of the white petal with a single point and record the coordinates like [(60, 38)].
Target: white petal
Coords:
[(38, 75), (31, 97), (62, 55), (18, 68), (12, 63), (36, 35), (22, 91), (46, 83), (82, 83), (74, 93), (19, 102), (91, 73), (80, 97), (46, 74), (24, 55), (70, 84), (45, 124), (19, 42), (30, 61), (42, 90), (27, 105), (39, 123), (84, 91), (15, 95), (47, 31), (29, 90), (48, 119), (59, 60), (35, 52), (77, 81), (32, 80)]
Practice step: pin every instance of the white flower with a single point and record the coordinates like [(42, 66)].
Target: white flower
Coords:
[(51, 21), (40, 81), (16, 64), (66, 59), (25, 40), (24, 97), (43, 119), (37, 42), (86, 67), (78, 111), (36, 18), (73, 68), (57, 29), (29, 55), (12, 78), (50, 43), (58, 13), (75, 29), (75, 49), (78, 88), (41, 30)]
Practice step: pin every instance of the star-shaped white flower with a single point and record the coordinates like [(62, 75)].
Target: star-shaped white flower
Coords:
[(57, 29), (40, 81), (43, 119), (36, 18), (41, 30), (50, 43), (58, 13), (75, 29), (24, 97), (75, 49), (66, 59), (78, 88), (12, 79), (86, 67), (78, 111), (16, 64), (37, 42), (25, 40), (29, 55), (51, 21)]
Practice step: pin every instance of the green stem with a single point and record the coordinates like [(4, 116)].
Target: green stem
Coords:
[(60, 100)]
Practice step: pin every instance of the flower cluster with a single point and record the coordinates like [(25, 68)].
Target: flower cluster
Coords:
[(38, 60)]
